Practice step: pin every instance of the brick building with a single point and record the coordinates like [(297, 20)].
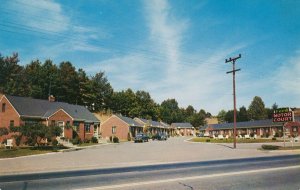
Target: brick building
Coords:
[(19, 111), (154, 127), (184, 129), (260, 128), (121, 127)]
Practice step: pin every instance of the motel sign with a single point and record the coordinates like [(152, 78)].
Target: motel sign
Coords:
[(283, 115)]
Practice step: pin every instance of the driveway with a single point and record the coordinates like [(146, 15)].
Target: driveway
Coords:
[(175, 149)]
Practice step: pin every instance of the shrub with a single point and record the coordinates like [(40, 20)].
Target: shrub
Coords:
[(267, 135), (270, 147), (128, 136), (251, 135), (276, 135), (94, 140), (87, 141), (76, 141), (54, 142), (115, 139), (3, 131), (111, 139), (18, 139), (207, 140), (274, 139)]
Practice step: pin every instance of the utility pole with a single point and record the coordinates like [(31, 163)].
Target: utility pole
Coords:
[(234, 98)]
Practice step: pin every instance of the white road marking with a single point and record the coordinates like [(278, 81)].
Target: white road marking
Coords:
[(188, 178)]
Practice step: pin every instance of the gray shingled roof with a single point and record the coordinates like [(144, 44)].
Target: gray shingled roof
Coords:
[(151, 123), (248, 124), (129, 121), (29, 107), (182, 125)]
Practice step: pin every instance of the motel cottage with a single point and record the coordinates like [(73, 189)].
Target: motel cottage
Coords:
[(120, 126), (260, 128), (184, 129), (126, 128), (20, 111)]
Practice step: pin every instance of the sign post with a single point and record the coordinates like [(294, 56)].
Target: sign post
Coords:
[(283, 115)]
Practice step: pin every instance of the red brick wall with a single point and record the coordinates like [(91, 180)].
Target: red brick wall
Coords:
[(122, 128), (62, 116), (7, 116)]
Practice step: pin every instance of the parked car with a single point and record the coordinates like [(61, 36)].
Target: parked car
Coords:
[(141, 137), (160, 137), (200, 135)]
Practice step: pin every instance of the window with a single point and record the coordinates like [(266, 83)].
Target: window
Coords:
[(52, 122), (114, 130), (12, 123), (76, 126), (87, 128), (68, 123), (31, 122), (3, 107)]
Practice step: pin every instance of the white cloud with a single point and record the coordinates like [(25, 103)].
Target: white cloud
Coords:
[(46, 16), (287, 76)]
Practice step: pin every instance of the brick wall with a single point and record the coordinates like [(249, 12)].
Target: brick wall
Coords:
[(10, 114), (62, 116), (122, 129)]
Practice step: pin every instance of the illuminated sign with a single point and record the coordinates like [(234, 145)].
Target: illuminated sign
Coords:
[(283, 115)]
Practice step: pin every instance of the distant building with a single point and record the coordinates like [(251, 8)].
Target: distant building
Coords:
[(184, 129)]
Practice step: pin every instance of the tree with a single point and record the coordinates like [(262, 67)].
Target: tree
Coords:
[(229, 116), (242, 114), (170, 112), (35, 132), (102, 91), (257, 109), (68, 83), (221, 116)]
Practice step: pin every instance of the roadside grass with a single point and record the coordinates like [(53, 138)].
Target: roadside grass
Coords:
[(230, 140), (275, 147), (26, 151)]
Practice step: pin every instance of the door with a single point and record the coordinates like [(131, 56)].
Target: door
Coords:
[(61, 125)]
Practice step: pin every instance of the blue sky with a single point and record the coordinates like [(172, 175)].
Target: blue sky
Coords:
[(172, 49)]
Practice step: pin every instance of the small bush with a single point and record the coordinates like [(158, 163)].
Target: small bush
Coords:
[(128, 136), (87, 141), (76, 141), (267, 135), (251, 135), (207, 140), (94, 140), (111, 139), (274, 139), (54, 142), (270, 147), (116, 139)]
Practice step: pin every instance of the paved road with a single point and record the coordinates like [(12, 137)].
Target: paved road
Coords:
[(132, 154), (276, 172)]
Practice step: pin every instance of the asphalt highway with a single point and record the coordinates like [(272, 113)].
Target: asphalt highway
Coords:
[(276, 172)]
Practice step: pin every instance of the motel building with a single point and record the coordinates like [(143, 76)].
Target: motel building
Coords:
[(20, 111), (184, 129), (260, 128), (126, 128)]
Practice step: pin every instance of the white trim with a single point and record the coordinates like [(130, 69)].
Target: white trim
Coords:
[(10, 104), (58, 111)]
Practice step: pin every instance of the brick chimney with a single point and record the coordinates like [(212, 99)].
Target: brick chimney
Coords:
[(51, 98)]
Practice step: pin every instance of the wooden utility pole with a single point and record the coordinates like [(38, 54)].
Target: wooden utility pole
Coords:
[(234, 98)]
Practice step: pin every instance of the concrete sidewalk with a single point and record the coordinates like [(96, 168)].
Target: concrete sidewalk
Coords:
[(132, 154)]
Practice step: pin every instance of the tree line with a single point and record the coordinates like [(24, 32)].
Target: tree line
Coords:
[(255, 111), (74, 86)]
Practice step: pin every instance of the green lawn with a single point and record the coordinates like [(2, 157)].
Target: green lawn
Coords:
[(230, 140), (25, 151)]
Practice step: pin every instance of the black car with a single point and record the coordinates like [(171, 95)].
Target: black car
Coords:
[(160, 137), (141, 137)]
